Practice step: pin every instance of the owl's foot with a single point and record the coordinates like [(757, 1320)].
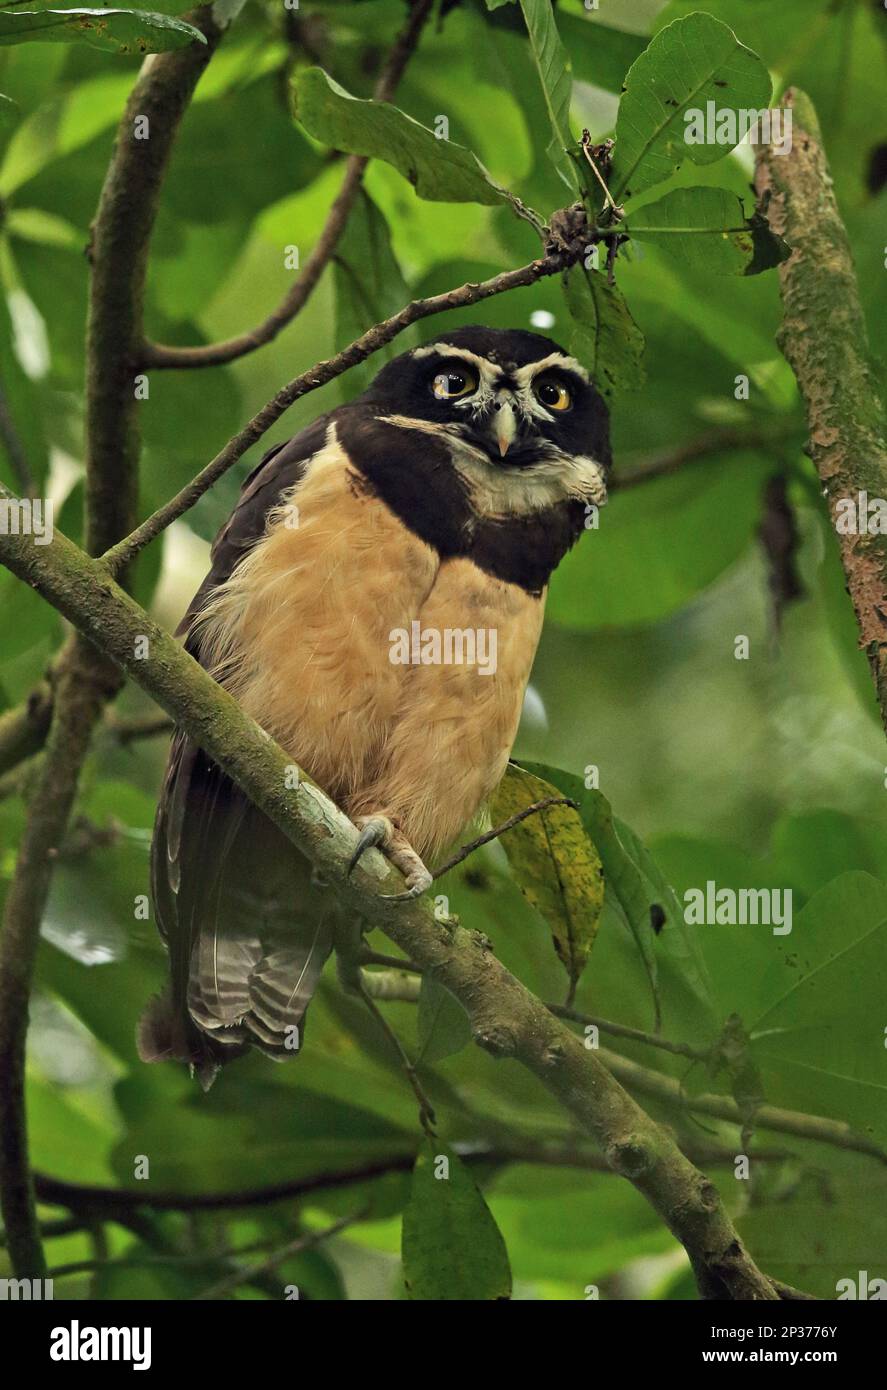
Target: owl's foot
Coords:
[(381, 833)]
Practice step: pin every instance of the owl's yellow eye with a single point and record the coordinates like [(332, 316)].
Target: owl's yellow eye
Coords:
[(458, 381), (552, 393)]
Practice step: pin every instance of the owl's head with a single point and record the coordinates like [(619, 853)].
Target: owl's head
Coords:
[(526, 428)]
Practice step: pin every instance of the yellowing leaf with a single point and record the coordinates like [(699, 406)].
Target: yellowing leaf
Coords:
[(556, 866)]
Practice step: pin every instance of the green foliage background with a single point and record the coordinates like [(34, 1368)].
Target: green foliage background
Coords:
[(765, 772)]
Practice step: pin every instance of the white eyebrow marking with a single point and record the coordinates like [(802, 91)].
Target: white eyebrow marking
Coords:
[(524, 375)]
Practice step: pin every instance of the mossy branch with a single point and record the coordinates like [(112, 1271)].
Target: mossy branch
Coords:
[(823, 337), (506, 1019)]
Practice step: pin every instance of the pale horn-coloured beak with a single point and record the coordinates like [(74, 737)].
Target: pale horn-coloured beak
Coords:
[(506, 427)]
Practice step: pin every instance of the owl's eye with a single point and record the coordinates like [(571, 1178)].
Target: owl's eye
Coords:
[(458, 381), (552, 393)]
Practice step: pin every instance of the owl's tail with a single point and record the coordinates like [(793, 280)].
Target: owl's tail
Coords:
[(247, 929)]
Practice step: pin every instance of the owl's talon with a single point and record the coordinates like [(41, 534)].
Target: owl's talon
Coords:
[(375, 831), (420, 881), (380, 833)]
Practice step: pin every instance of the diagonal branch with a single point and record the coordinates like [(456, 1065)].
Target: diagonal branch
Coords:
[(823, 337), (214, 354), (506, 1019)]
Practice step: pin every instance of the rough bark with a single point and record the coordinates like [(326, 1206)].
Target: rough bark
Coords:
[(823, 336)]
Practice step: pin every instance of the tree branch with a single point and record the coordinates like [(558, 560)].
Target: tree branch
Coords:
[(77, 705), (666, 1089), (15, 449), (84, 678), (506, 1019), (720, 441), (248, 1273), (119, 255), (120, 555), (95, 1202), (823, 337), (214, 354), (23, 729)]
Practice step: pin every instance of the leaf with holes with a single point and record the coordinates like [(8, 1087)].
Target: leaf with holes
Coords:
[(116, 31), (688, 64)]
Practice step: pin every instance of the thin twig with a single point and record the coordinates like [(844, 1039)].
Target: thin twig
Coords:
[(622, 1030), (367, 957), (123, 1205), (817, 1128), (586, 142), (127, 731), (214, 354), (12, 442), (498, 830), (427, 1118), (720, 441), (392, 986), (120, 555), (269, 1265), (23, 729)]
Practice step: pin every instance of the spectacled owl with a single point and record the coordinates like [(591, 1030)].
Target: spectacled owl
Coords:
[(367, 560)]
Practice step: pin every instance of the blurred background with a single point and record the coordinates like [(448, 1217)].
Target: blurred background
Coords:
[(763, 771)]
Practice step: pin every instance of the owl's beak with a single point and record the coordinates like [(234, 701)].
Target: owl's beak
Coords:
[(506, 426)]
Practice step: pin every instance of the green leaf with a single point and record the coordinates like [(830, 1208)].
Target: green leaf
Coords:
[(555, 74), (452, 1248), (444, 1027), (605, 337), (439, 170), (824, 1229), (707, 229), (820, 1045), (556, 865), (116, 31), (600, 54), (369, 285), (690, 62)]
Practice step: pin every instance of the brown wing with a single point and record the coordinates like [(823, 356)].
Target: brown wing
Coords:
[(247, 931)]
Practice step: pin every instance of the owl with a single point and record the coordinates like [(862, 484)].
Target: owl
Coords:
[(374, 602)]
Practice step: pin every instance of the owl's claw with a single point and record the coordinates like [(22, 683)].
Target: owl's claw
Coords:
[(373, 830), (379, 832)]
